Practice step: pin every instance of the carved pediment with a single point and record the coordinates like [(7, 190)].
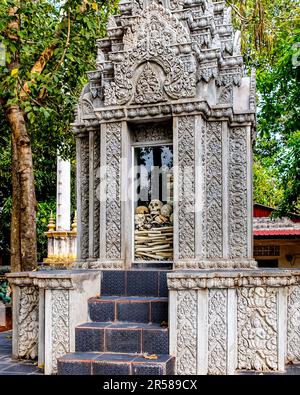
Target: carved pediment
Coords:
[(157, 37)]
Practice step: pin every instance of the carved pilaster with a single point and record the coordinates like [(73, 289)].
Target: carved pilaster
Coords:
[(186, 185), (214, 189), (238, 213), (28, 322), (186, 358), (293, 328), (60, 325)]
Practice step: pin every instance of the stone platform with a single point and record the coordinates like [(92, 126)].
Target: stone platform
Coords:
[(229, 321)]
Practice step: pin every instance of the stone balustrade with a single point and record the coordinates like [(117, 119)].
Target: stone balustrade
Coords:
[(222, 322), (47, 306)]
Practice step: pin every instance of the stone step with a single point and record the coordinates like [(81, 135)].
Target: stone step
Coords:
[(114, 364), (138, 282), (128, 308), (122, 338)]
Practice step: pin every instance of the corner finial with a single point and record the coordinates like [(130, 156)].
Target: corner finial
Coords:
[(51, 225)]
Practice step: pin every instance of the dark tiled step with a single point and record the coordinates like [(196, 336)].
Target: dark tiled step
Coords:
[(134, 283), (122, 338), (114, 364), (126, 308)]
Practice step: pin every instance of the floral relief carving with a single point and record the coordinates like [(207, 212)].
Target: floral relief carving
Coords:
[(293, 324), (217, 332), (214, 190), (28, 323), (60, 325), (186, 167), (84, 196), (186, 332), (238, 193), (257, 319), (113, 204)]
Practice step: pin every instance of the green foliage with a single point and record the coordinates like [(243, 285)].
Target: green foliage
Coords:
[(4, 291), (270, 43), (71, 29)]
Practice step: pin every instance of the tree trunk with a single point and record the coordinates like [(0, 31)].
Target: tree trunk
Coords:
[(23, 225)]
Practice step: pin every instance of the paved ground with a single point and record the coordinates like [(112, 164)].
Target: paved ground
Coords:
[(9, 366)]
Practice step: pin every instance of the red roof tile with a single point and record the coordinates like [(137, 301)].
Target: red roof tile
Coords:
[(276, 232)]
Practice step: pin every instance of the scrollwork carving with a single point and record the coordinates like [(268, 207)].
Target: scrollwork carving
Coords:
[(238, 193), (113, 204), (214, 190), (186, 167), (186, 332), (217, 332), (293, 324), (60, 325), (28, 323)]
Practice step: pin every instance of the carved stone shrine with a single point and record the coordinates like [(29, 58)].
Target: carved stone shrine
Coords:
[(164, 133)]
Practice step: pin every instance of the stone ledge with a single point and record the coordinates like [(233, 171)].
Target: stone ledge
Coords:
[(232, 279), (54, 279)]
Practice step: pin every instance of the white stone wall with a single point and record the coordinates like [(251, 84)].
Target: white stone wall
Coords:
[(223, 322)]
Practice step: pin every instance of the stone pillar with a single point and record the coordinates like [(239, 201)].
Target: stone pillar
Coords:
[(233, 321), (184, 191), (63, 195), (293, 328), (25, 314), (82, 176), (112, 254)]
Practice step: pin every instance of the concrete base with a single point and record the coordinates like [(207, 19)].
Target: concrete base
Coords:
[(223, 321), (47, 306)]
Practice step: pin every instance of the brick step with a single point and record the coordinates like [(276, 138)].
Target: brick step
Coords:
[(133, 282), (122, 338), (114, 364), (128, 308)]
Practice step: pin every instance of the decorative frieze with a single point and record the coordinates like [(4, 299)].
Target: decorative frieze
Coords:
[(217, 332), (60, 325), (96, 202), (83, 212), (231, 279), (153, 133)]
